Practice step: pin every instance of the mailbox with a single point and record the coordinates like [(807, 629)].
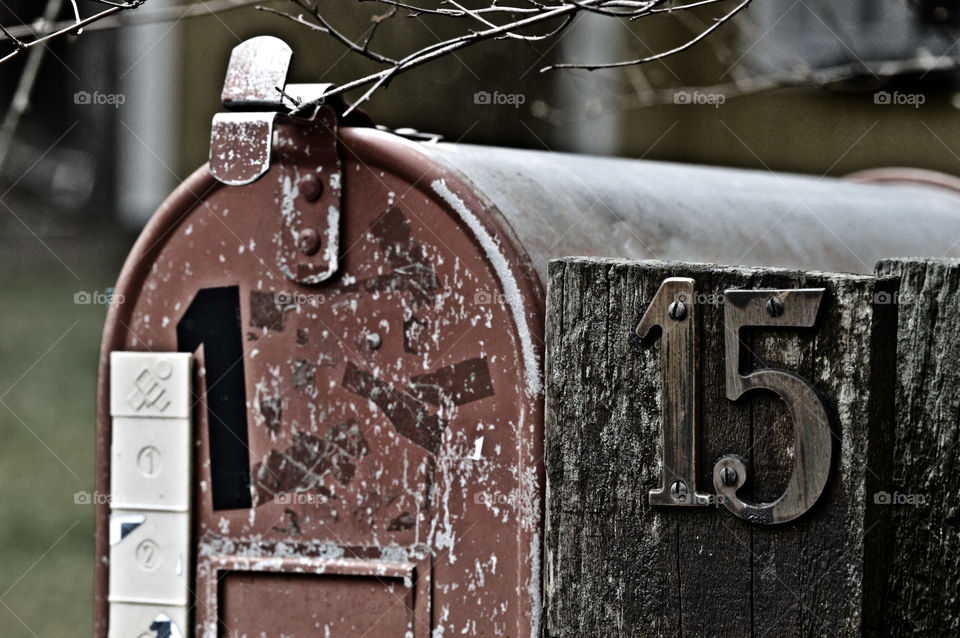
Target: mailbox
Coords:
[(321, 400)]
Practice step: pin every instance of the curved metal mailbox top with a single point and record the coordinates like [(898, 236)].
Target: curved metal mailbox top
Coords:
[(560, 204)]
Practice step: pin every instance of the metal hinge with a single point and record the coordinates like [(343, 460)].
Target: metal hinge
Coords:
[(242, 146)]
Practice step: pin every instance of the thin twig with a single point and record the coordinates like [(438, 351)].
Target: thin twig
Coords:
[(28, 77), (344, 40), (17, 41), (441, 49), (144, 15), (73, 28), (520, 19), (454, 13), (658, 56), (76, 15)]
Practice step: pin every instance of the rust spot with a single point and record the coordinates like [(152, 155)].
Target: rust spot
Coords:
[(292, 523), (303, 336), (457, 384), (392, 231), (278, 474), (369, 504), (329, 355), (304, 373), (418, 280), (412, 273), (406, 520), (409, 415), (272, 410), (265, 312), (413, 331), (431, 463), (303, 466)]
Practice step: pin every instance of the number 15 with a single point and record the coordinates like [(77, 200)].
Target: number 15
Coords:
[(673, 309)]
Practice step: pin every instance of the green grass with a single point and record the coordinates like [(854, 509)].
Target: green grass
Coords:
[(48, 364)]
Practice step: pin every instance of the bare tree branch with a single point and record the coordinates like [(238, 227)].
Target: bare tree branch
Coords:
[(520, 20), (659, 56), (21, 98), (74, 27), (144, 15), (492, 22), (326, 27), (457, 13)]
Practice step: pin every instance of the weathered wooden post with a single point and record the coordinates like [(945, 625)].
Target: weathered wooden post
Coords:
[(647, 534), (652, 529), (922, 493)]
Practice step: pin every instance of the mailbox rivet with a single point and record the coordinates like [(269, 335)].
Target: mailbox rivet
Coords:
[(311, 187), (308, 241), (677, 311), (774, 307), (679, 490), (374, 341), (728, 476)]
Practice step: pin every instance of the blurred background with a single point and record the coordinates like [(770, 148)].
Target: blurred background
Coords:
[(117, 116)]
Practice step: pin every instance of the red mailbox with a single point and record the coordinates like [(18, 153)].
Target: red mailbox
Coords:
[(320, 405), (365, 399)]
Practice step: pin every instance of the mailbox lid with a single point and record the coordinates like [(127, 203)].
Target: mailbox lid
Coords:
[(393, 414)]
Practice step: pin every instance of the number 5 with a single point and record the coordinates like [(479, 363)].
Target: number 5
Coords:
[(673, 310)]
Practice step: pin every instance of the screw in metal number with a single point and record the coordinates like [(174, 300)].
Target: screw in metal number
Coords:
[(677, 311), (728, 475), (774, 307), (679, 491)]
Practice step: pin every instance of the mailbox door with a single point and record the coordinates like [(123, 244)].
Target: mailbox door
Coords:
[(368, 450)]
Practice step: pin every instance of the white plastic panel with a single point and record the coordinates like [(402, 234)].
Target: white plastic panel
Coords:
[(150, 384), (149, 557), (150, 464), (150, 470), (147, 621)]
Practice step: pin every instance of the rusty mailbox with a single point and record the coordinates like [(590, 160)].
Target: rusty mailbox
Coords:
[(320, 405)]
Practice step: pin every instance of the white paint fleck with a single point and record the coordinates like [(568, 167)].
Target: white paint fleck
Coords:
[(511, 290)]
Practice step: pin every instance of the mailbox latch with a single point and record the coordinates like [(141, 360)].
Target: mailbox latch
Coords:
[(243, 142)]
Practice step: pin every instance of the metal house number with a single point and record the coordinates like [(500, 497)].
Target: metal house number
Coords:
[(674, 310)]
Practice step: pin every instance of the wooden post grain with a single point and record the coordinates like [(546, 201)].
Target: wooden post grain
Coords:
[(921, 491), (615, 566)]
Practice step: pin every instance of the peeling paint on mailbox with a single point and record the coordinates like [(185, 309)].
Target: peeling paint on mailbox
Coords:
[(368, 449)]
